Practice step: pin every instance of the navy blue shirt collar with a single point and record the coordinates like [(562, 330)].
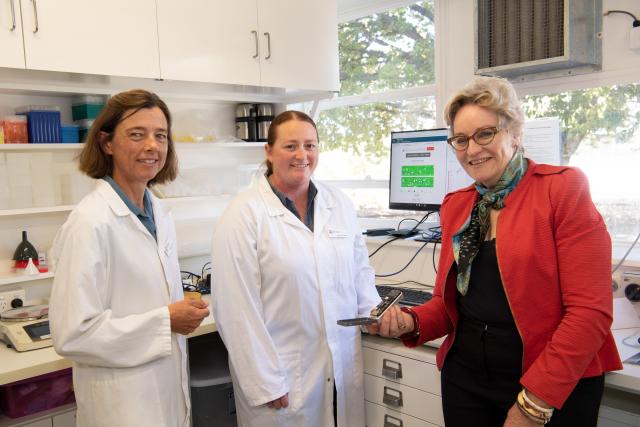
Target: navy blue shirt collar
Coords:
[(146, 216)]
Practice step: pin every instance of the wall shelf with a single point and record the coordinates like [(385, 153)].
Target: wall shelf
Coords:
[(240, 145), (38, 147), (8, 278), (36, 211)]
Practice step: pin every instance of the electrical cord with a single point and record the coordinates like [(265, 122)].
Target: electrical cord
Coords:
[(626, 254), (383, 245), (407, 265), (433, 256), (636, 21)]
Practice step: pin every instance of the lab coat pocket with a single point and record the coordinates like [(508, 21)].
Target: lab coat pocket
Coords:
[(134, 391), (291, 363), (343, 245)]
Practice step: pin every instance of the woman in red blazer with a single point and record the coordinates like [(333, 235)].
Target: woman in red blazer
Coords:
[(523, 290)]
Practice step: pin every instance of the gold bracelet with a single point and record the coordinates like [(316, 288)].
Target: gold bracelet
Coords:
[(531, 417), (533, 404), (541, 417)]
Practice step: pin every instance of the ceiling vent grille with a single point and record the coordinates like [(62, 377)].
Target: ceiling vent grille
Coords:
[(533, 39)]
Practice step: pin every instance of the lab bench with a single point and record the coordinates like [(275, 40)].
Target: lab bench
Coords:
[(17, 366)]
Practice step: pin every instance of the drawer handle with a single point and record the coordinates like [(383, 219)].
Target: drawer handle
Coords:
[(391, 369), (390, 421), (35, 16), (392, 397), (255, 35), (13, 16)]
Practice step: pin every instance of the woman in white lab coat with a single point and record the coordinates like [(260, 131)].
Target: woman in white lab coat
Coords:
[(117, 308), (288, 262)]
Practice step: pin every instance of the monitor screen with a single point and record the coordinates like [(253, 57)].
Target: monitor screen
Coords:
[(424, 169)]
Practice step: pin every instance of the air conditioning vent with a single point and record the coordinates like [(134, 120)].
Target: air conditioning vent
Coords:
[(534, 39)]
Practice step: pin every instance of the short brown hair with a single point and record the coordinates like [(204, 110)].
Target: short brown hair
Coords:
[(493, 93), (96, 163), (280, 119)]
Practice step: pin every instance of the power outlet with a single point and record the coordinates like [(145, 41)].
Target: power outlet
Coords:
[(7, 297)]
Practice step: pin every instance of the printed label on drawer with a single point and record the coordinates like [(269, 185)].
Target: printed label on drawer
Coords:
[(404, 399), (379, 416), (403, 370)]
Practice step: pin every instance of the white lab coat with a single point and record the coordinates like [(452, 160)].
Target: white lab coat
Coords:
[(278, 290), (109, 315)]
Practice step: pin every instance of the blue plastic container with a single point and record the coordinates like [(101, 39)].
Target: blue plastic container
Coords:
[(43, 124), (70, 134)]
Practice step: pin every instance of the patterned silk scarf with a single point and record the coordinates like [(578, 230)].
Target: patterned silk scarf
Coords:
[(466, 241)]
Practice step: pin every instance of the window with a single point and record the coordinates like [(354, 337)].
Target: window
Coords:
[(600, 135), (387, 74), (390, 50), (355, 147)]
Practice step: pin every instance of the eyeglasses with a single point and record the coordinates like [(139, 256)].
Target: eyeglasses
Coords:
[(483, 136)]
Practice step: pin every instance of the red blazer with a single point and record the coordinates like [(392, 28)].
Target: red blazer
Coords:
[(554, 257)]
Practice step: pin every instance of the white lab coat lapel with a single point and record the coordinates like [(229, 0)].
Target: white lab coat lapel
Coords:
[(164, 245), (160, 216), (276, 208), (323, 206)]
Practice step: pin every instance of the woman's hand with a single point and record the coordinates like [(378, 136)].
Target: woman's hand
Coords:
[(515, 417), (394, 322), (281, 402), (187, 314)]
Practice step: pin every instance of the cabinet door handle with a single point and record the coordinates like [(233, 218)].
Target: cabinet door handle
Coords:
[(268, 36), (392, 397), (35, 16), (13, 16), (255, 35), (391, 369), (390, 421)]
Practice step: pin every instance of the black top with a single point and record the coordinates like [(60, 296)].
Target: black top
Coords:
[(485, 300)]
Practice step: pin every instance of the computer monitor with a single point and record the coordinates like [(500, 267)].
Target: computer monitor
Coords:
[(424, 169)]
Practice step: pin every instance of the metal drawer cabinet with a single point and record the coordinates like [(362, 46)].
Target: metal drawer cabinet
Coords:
[(379, 416), (404, 399), (403, 370), (401, 385)]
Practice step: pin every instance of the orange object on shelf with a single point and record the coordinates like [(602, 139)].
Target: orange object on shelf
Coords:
[(15, 130)]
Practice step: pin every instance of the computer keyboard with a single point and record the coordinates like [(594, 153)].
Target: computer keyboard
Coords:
[(409, 296)]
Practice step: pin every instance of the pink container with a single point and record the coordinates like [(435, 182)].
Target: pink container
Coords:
[(37, 394)]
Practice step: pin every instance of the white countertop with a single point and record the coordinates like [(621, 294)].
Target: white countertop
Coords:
[(16, 366)]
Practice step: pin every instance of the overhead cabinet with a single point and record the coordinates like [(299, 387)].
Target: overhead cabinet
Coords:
[(291, 44), (116, 37), (11, 34), (283, 43)]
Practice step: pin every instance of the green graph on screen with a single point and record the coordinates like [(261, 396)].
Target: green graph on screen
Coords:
[(417, 176)]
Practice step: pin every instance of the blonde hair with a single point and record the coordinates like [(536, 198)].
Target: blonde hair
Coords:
[(493, 93), (96, 163)]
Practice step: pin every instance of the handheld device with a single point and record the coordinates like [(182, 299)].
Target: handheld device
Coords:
[(387, 301)]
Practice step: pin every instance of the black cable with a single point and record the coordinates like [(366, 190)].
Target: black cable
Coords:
[(636, 22), (383, 245), (208, 263), (433, 256), (403, 220), (405, 267)]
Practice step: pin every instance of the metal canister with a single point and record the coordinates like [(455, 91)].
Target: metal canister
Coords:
[(264, 119), (246, 122)]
